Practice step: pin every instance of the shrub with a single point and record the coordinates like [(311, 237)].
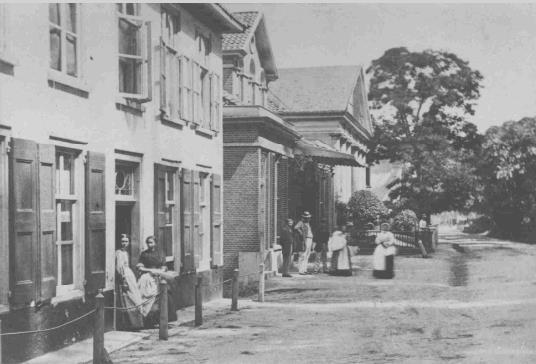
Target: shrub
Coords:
[(405, 220), (365, 207), (479, 225)]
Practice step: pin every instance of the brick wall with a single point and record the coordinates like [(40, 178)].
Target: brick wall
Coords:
[(240, 202), (239, 134)]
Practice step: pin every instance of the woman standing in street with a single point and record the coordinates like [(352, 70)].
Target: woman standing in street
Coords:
[(286, 241), (304, 240), (384, 254), (129, 294), (152, 265), (341, 264)]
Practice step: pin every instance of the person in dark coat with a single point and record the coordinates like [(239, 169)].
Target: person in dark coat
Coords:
[(321, 247), (286, 241)]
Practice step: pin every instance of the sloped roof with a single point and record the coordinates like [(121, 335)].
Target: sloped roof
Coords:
[(323, 153), (316, 88), (236, 41)]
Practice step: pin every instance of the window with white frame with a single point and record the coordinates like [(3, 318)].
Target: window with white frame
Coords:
[(186, 82), (204, 204), (67, 210), (64, 37), (170, 64), (171, 211), (124, 180), (134, 56)]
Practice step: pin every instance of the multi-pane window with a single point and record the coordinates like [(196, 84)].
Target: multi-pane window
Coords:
[(67, 202), (186, 81), (64, 37), (215, 102), (170, 65), (3, 30), (204, 205), (133, 55), (170, 209)]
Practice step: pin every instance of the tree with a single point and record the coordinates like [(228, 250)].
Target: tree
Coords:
[(365, 207), (420, 102), (507, 172)]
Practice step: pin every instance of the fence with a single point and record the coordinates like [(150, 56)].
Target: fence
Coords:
[(409, 242), (100, 356)]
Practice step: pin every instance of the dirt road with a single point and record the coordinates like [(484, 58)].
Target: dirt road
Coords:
[(474, 301)]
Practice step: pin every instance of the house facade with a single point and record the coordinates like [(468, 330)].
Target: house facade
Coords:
[(110, 123), (329, 104)]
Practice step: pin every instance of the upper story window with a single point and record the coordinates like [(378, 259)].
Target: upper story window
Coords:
[(64, 38), (170, 65), (134, 54)]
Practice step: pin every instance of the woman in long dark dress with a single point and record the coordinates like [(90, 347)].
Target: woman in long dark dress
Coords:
[(152, 265)]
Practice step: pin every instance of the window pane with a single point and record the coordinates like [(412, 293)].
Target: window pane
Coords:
[(67, 264), (66, 219), (168, 241), (169, 192), (54, 13), (71, 55), (71, 18), (169, 214), (128, 38), (120, 8), (129, 75), (64, 173), (124, 177), (55, 50), (131, 9)]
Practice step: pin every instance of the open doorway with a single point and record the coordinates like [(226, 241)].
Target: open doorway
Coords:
[(123, 225)]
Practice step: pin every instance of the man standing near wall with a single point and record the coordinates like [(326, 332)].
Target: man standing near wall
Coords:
[(305, 237), (286, 241)]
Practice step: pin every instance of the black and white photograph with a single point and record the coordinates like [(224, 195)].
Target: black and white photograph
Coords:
[(249, 182)]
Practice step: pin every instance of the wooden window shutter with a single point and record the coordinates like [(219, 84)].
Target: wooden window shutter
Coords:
[(163, 76), (216, 220), (187, 248), (217, 102), (182, 91), (95, 222), (212, 100), (159, 207), (24, 228), (47, 221), (197, 227)]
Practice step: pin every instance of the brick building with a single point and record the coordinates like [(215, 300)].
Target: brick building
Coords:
[(110, 123), (270, 171)]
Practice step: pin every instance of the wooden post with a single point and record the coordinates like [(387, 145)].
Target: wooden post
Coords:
[(98, 329), (198, 302), (163, 329), (261, 283), (234, 291)]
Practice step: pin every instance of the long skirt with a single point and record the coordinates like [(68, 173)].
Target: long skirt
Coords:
[(149, 288), (129, 296), (341, 265), (389, 271)]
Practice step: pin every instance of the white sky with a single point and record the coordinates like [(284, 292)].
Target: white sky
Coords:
[(499, 40)]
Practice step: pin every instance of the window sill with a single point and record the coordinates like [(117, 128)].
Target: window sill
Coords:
[(62, 82), (7, 64), (129, 105), (68, 296), (199, 130), (174, 123)]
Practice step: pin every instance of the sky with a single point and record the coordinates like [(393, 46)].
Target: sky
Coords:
[(499, 40)]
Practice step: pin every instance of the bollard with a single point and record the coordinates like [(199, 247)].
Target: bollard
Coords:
[(98, 329), (234, 291), (163, 328), (261, 283), (198, 303)]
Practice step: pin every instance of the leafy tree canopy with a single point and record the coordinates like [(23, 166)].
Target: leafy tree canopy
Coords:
[(420, 102)]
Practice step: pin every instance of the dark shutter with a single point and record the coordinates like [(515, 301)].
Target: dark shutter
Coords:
[(95, 222), (187, 247), (47, 221), (215, 218), (159, 207), (24, 229), (197, 228)]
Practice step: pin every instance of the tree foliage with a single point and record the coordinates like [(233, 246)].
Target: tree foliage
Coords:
[(507, 171), (405, 220), (420, 102), (365, 207)]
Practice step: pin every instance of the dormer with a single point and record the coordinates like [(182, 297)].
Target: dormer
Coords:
[(248, 62)]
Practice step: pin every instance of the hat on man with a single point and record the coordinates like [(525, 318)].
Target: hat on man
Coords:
[(306, 214)]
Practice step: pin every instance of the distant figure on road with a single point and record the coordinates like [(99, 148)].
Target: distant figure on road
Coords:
[(286, 241), (304, 241), (384, 254), (422, 223), (340, 258), (321, 247)]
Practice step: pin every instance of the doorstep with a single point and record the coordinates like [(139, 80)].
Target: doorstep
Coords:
[(82, 351)]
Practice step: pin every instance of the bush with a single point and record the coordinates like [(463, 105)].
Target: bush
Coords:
[(365, 207), (405, 220)]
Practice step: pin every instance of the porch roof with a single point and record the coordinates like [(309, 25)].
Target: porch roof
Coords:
[(322, 153)]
